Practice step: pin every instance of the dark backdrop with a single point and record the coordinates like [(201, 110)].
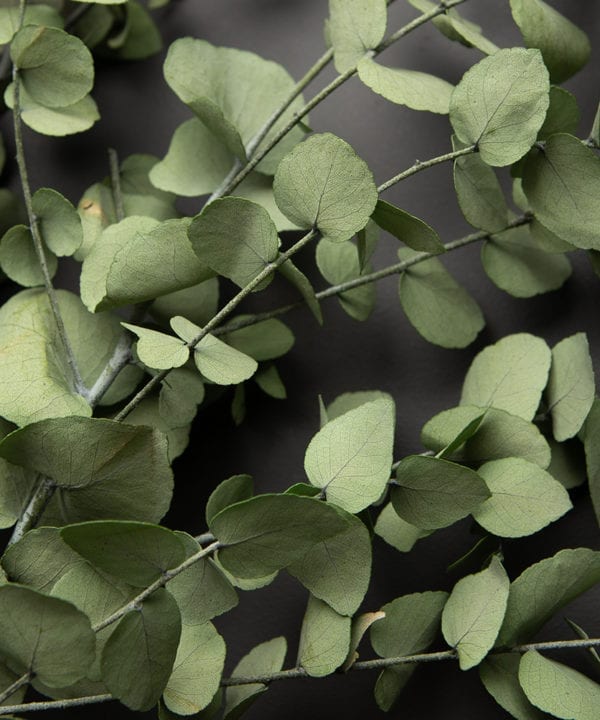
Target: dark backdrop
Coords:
[(139, 114)]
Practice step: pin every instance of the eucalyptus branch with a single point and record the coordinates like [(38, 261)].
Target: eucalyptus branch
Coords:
[(39, 499), (11, 689), (117, 361), (55, 704), (328, 89)]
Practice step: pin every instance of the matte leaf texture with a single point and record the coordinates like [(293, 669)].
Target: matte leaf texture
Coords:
[(440, 309), (59, 222), (592, 455), (43, 635), (219, 94), (338, 569), (544, 588), (236, 238), (324, 640), (56, 68), (265, 340), (499, 673), (524, 498), (264, 659), (350, 458), (19, 260), (230, 491), (474, 612), (397, 532), (323, 184), (355, 27), (409, 229), (217, 361), (269, 532), (509, 375), (137, 552), (157, 350), (197, 670), (479, 194), (500, 104), (562, 182), (558, 689), (101, 468), (198, 303), (139, 655), (350, 401), (563, 114), (299, 280), (417, 90), (571, 386), (564, 47), (34, 15), (431, 493), (514, 262)]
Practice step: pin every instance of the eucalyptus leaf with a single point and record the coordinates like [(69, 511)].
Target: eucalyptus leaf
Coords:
[(350, 401), (198, 303), (140, 37), (230, 491), (499, 673), (409, 229), (19, 259), (34, 15), (181, 391), (350, 458), (501, 103), (592, 455), (299, 280), (262, 341), (270, 382), (324, 639), (479, 194), (397, 532), (7, 678), (59, 222), (563, 114), (355, 27), (157, 350), (341, 195), (360, 625)]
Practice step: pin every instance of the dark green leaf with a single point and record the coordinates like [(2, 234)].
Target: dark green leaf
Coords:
[(230, 491), (324, 639), (499, 674), (413, 232)]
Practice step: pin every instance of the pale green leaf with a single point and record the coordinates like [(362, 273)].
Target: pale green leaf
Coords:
[(350, 401), (524, 498), (499, 673), (417, 90), (197, 670), (409, 229), (432, 493), (397, 532), (262, 341), (474, 612), (350, 458), (563, 114), (34, 15), (341, 194), (558, 689), (571, 386), (236, 238), (509, 375), (59, 222), (564, 47), (500, 104), (562, 184), (544, 588), (19, 260), (138, 657), (440, 309), (269, 532), (355, 26), (45, 636), (259, 189), (479, 194), (324, 639), (157, 350)]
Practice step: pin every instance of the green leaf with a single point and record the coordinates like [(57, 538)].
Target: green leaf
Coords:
[(339, 263), (299, 280), (564, 47), (350, 401), (524, 498), (157, 350), (571, 386), (101, 468), (19, 260), (413, 232), (360, 625), (137, 552), (396, 531), (416, 90), (509, 375), (324, 639), (562, 182), (198, 303), (350, 458), (220, 96), (181, 391), (262, 341), (269, 381), (544, 588), (46, 636), (148, 413), (431, 493), (202, 591), (410, 625), (558, 689), (563, 114), (265, 659), (59, 222), (216, 360), (7, 678), (479, 194), (355, 27), (197, 670), (12, 211), (34, 15), (592, 454), (440, 309), (230, 491), (337, 570), (236, 238), (269, 532), (140, 38), (139, 655), (499, 435), (259, 189), (474, 612), (499, 674), (500, 104), (341, 195), (56, 68), (195, 163)]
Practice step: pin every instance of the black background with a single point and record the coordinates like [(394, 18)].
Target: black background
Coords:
[(139, 114)]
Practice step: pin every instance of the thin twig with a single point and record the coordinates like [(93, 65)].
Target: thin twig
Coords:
[(12, 689), (55, 704)]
